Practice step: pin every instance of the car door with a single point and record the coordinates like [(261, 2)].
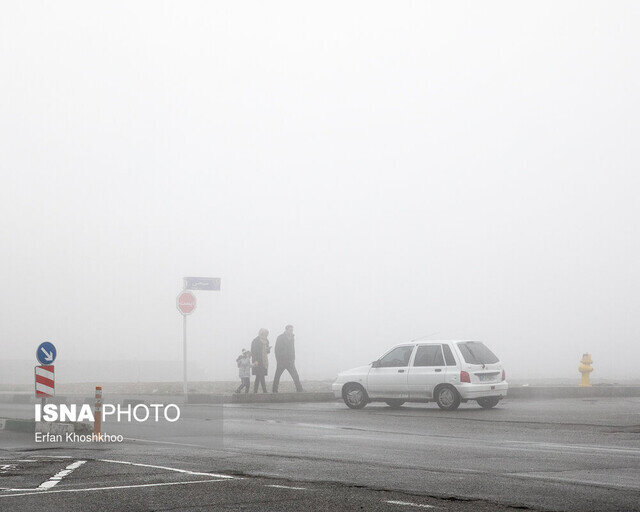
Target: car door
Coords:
[(388, 375), (427, 371)]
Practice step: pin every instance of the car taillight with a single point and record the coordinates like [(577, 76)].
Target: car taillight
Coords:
[(504, 375), (464, 377)]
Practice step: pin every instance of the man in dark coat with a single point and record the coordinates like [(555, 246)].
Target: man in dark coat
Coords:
[(260, 359), (286, 358)]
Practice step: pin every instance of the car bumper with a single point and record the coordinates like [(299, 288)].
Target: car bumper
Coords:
[(473, 391), (336, 387)]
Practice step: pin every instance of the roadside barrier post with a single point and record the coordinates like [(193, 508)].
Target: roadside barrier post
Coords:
[(97, 412)]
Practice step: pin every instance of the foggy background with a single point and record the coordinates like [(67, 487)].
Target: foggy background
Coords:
[(370, 172)]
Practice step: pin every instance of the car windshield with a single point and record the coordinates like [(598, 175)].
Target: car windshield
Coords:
[(475, 352)]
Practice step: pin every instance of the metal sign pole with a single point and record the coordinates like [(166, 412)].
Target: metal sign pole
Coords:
[(184, 354), (186, 304)]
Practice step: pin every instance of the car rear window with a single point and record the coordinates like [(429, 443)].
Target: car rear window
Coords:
[(475, 352)]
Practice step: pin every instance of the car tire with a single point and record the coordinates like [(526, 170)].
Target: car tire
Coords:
[(447, 398), (488, 402), (394, 404), (354, 396)]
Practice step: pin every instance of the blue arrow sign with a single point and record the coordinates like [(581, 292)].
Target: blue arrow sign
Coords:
[(46, 353)]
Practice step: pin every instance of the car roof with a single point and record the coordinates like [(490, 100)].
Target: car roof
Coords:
[(424, 340)]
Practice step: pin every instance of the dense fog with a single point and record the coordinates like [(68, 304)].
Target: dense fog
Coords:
[(369, 173)]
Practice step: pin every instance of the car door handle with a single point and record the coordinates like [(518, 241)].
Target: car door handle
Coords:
[(438, 369), (400, 371)]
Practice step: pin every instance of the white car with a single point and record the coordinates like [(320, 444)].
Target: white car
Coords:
[(445, 372)]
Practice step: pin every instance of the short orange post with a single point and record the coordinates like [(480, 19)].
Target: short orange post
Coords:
[(97, 412)]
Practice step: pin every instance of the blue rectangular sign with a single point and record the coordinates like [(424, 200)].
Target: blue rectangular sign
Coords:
[(202, 283)]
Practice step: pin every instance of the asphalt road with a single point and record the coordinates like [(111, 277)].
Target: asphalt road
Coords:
[(580, 455)]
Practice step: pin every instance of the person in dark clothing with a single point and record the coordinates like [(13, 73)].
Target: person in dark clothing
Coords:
[(286, 358), (260, 359)]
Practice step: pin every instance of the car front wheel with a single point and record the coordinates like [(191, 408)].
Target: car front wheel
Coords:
[(354, 396), (447, 398), (488, 402)]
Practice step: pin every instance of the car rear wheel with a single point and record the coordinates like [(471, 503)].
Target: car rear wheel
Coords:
[(447, 398), (488, 402), (394, 404), (354, 396)]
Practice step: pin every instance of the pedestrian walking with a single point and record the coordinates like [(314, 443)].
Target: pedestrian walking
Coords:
[(260, 359), (244, 371), (286, 358)]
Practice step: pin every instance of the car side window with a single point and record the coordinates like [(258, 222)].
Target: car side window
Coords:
[(429, 355), (399, 356), (448, 356)]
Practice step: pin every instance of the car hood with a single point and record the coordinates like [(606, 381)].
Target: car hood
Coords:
[(360, 370)]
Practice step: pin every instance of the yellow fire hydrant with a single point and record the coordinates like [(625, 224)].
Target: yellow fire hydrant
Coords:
[(585, 369)]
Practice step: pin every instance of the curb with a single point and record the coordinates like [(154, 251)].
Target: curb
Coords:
[(513, 393), (258, 398), (15, 425), (207, 398), (31, 426), (253, 398), (28, 398), (16, 398), (539, 392)]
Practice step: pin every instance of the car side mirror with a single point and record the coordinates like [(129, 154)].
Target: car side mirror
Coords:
[(375, 364)]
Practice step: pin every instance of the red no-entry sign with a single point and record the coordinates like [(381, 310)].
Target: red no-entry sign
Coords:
[(186, 303)]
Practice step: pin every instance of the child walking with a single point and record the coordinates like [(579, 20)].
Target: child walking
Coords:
[(244, 370)]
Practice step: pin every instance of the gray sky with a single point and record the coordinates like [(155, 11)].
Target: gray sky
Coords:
[(368, 171)]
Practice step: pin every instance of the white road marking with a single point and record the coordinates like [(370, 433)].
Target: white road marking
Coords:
[(575, 481), (43, 488), (61, 474), (318, 425), (186, 472), (576, 447), (111, 488), (287, 487), (45, 457), (165, 442), (409, 504), (295, 424)]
